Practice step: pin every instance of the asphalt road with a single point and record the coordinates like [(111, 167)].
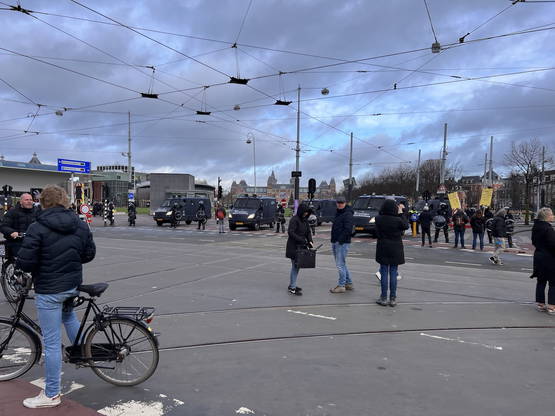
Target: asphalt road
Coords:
[(464, 339)]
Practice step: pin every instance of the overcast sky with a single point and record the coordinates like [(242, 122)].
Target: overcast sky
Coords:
[(78, 72)]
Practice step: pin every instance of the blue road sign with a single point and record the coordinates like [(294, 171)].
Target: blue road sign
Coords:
[(131, 195), (69, 165)]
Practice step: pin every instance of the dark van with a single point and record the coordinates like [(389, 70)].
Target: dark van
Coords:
[(252, 212), (324, 209), (366, 209), (188, 207)]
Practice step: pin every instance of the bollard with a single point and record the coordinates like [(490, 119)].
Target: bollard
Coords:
[(413, 228)]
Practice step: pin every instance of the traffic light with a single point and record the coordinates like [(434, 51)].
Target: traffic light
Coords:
[(79, 191), (311, 188), (7, 189), (220, 192)]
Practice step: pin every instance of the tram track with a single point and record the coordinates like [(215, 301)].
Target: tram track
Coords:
[(349, 333)]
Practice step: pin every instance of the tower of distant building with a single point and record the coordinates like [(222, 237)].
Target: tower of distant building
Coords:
[(283, 190)]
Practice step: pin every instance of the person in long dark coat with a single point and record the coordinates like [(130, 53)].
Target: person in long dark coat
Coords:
[(543, 238), (299, 236), (390, 225)]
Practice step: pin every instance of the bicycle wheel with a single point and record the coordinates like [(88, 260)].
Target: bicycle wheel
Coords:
[(10, 285), (124, 352), (20, 353)]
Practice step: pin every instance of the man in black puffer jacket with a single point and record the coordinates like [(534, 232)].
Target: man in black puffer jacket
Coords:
[(15, 223), (341, 232), (53, 250)]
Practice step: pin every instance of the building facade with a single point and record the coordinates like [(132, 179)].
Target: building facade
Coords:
[(283, 191)]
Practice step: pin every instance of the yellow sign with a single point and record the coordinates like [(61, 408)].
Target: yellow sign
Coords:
[(454, 200), (485, 200)]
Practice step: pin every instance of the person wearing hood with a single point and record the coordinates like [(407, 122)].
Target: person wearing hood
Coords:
[(543, 238), (16, 222), (390, 225), (341, 232), (299, 235), (132, 213), (53, 251)]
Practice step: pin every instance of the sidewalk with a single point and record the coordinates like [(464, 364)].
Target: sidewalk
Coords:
[(12, 394)]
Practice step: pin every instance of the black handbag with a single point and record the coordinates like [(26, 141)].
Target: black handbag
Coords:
[(305, 258)]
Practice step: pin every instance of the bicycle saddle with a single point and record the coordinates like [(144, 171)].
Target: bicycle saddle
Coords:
[(95, 290)]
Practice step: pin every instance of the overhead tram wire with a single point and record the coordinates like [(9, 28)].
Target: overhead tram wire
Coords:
[(462, 38), (71, 70), (524, 31), (430, 19), (19, 92), (243, 22)]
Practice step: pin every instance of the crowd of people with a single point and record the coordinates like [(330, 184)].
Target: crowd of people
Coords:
[(51, 242)]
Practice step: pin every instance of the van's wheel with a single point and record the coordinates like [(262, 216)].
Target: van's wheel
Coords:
[(188, 222), (256, 226), (232, 227), (159, 223)]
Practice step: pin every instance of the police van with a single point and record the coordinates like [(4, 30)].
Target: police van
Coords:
[(324, 209), (187, 209), (252, 212), (366, 209)]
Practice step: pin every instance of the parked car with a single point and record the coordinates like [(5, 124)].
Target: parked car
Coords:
[(252, 212), (188, 208)]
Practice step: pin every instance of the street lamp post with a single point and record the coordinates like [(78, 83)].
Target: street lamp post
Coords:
[(251, 139)]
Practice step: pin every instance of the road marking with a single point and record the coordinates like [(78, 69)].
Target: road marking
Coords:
[(208, 241), (466, 264), (527, 270), (491, 347), (524, 254), (40, 383), (244, 411), (331, 318), (409, 258)]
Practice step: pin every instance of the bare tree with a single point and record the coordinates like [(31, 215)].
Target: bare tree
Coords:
[(524, 158)]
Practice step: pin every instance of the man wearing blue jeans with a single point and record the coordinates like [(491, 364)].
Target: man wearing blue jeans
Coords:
[(340, 242), (53, 250)]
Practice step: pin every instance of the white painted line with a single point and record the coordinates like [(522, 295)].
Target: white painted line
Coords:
[(466, 264), (208, 241), (491, 347), (133, 407), (527, 270), (331, 318), (409, 258), (524, 254), (443, 248), (244, 411)]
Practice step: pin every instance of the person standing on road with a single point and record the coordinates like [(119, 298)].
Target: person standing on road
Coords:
[(543, 238), (478, 224), (280, 218), (499, 233), (299, 236), (510, 225), (132, 214), (459, 220), (15, 224), (488, 215), (425, 221), (390, 225), (53, 250), (441, 222), (341, 232), (220, 217), (201, 216), (312, 220)]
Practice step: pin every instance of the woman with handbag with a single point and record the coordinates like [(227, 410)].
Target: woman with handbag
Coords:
[(390, 225), (299, 236)]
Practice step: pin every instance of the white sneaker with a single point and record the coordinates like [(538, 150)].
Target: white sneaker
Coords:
[(42, 401)]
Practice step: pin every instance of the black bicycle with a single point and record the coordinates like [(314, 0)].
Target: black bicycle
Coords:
[(9, 276), (118, 345)]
